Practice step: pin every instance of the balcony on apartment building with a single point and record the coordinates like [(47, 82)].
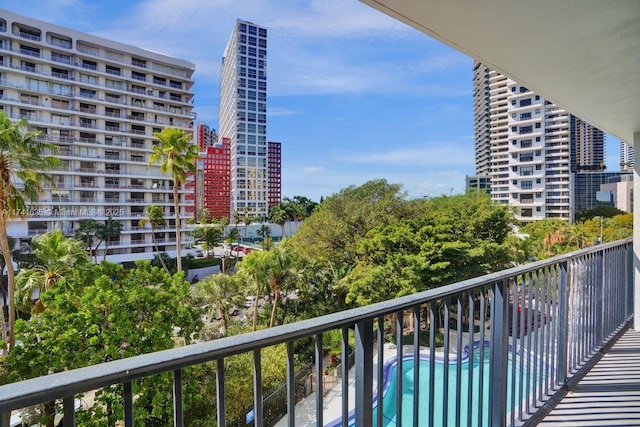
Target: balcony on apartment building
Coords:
[(513, 342)]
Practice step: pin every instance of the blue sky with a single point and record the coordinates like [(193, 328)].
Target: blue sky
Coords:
[(353, 95)]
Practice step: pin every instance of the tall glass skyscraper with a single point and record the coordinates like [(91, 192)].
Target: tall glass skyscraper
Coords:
[(243, 117)]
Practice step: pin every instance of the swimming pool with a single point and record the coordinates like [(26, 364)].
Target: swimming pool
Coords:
[(479, 398)]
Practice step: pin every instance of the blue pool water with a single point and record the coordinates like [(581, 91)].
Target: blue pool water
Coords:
[(479, 399)]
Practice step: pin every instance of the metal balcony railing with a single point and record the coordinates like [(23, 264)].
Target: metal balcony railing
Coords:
[(528, 330)]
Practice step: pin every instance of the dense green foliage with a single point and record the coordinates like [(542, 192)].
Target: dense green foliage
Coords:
[(455, 238), (102, 315), (550, 237)]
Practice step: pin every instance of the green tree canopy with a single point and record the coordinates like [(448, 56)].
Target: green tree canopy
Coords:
[(108, 314), (604, 211), (337, 225), (456, 238)]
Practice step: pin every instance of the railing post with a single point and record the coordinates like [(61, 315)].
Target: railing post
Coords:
[(178, 410), (563, 326), (629, 284), (600, 299), (364, 373), (69, 411), (499, 357)]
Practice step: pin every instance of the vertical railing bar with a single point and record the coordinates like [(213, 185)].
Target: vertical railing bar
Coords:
[(515, 333), (69, 411), (471, 344), (291, 384), (319, 380), (432, 362), (590, 307), (344, 365), (221, 393), (563, 329), (536, 332), (2, 415), (544, 333), (257, 388), (178, 409), (364, 374), (521, 350), (399, 366), (529, 339), (459, 333), (497, 364), (554, 326), (416, 365), (445, 384), (128, 404), (380, 376), (547, 328), (483, 320)]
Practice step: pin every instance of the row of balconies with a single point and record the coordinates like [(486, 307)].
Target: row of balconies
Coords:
[(168, 70), (67, 91), (40, 118), (93, 80)]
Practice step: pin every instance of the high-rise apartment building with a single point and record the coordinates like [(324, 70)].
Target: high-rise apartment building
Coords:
[(243, 117), (533, 146), (587, 146), (626, 157), (99, 102)]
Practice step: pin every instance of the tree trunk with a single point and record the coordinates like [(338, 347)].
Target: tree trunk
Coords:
[(176, 204), (273, 309), (50, 413), (11, 285), (155, 245), (106, 249), (255, 306)]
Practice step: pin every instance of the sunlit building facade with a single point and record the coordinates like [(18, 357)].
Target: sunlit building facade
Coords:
[(243, 117), (99, 102), (534, 146)]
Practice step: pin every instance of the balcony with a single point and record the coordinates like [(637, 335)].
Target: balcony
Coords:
[(535, 330)]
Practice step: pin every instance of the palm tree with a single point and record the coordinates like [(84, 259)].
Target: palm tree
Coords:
[(155, 218), (23, 160), (279, 266), (178, 156), (279, 216), (85, 233), (111, 228), (254, 269), (265, 232), (221, 294), (59, 258), (247, 222)]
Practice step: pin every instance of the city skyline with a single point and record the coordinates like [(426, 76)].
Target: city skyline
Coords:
[(353, 94)]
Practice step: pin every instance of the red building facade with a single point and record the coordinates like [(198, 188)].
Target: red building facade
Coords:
[(216, 170)]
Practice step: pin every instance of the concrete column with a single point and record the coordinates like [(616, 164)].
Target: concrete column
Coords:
[(636, 231)]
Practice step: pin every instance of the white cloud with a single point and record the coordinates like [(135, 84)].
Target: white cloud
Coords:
[(280, 111), (312, 170), (436, 155)]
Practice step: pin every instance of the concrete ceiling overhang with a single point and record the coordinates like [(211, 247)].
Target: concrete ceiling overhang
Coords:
[(583, 55)]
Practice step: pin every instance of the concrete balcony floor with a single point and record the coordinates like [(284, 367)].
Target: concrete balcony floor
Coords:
[(609, 394)]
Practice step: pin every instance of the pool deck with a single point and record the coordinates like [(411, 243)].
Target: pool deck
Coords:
[(609, 394)]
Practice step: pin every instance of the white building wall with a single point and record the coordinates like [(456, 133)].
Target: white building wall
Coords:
[(99, 102), (530, 158)]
